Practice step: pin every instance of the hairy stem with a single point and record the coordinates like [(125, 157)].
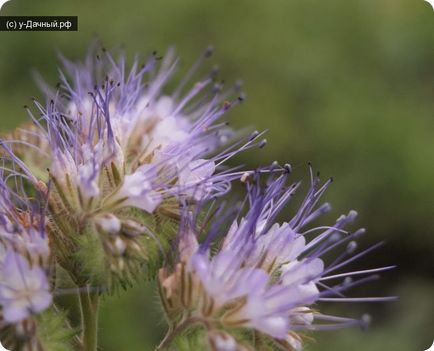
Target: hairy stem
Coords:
[(89, 303)]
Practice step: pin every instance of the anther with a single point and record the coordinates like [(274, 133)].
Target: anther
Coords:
[(352, 215), (351, 247), (274, 165), (288, 168), (358, 233), (253, 135), (245, 176), (335, 237)]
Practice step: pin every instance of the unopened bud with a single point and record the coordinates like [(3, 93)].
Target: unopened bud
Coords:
[(108, 223), (132, 228)]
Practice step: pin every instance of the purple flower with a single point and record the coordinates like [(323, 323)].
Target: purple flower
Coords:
[(267, 276), (24, 254), (116, 139), (24, 289)]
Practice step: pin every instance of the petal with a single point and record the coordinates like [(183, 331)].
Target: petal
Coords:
[(14, 270), (40, 301), (299, 272), (276, 326), (14, 312)]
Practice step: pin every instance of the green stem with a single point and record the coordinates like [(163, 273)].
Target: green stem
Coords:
[(89, 303)]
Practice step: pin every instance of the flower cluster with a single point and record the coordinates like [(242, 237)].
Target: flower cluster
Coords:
[(118, 177), (261, 275), (24, 261), (121, 155)]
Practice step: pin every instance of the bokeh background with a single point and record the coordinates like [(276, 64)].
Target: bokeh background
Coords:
[(345, 84)]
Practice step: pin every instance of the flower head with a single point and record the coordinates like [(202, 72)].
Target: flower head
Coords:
[(120, 148), (262, 275), (117, 140), (24, 255), (24, 289)]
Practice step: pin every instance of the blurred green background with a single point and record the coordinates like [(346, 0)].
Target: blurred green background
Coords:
[(345, 84)]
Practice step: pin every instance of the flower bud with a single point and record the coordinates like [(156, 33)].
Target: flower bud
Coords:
[(108, 223)]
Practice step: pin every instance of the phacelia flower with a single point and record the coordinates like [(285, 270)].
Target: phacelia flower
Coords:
[(119, 148), (25, 272), (24, 256), (262, 275), (24, 289)]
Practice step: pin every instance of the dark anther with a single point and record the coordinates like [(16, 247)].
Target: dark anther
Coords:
[(288, 168)]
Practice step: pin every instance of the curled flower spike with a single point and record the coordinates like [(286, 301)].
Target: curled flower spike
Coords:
[(263, 276), (122, 154)]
